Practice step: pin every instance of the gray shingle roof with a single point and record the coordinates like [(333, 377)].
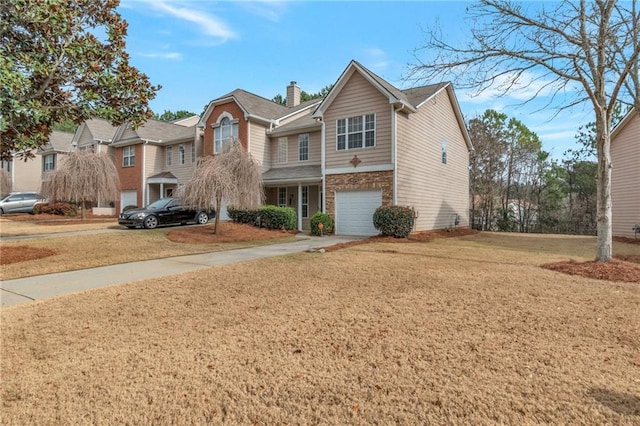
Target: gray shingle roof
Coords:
[(162, 131), (58, 142), (101, 129), (305, 123), (292, 173), (257, 105)]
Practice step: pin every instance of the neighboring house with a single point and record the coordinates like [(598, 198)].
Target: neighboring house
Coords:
[(153, 160), (94, 135), (365, 145), (25, 173), (625, 175), (59, 144)]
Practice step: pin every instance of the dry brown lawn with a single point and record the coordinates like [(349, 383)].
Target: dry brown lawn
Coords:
[(48, 255), (466, 330)]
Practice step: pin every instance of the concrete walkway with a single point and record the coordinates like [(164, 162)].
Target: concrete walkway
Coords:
[(25, 290)]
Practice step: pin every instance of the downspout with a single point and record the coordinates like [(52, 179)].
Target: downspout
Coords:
[(145, 192), (394, 152), (323, 166)]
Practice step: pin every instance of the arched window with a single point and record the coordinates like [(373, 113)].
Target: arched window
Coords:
[(226, 130)]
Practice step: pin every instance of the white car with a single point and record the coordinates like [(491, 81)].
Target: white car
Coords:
[(20, 202)]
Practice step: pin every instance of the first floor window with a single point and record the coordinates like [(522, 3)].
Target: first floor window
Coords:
[(49, 162), (303, 147), (356, 132), (193, 152), (169, 151), (282, 197), (305, 202), (180, 154), (128, 156)]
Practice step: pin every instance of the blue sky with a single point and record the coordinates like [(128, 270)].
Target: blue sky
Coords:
[(200, 50)]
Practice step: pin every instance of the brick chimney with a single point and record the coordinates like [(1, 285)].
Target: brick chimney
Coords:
[(293, 95)]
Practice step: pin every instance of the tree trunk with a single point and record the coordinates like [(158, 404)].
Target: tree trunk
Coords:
[(218, 205), (82, 209), (603, 141)]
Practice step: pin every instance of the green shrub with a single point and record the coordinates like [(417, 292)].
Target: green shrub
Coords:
[(327, 223), (59, 208), (252, 217), (274, 217), (394, 221)]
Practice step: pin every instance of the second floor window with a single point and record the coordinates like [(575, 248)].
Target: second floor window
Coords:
[(128, 156), (303, 147), (180, 154), (49, 162), (223, 133), (169, 152), (356, 132), (282, 151)]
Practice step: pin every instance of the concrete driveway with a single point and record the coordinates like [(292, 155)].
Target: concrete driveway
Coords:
[(25, 290)]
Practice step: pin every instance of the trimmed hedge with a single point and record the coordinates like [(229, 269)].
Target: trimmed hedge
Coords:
[(252, 217), (327, 223), (271, 217), (274, 217), (394, 221), (60, 208)]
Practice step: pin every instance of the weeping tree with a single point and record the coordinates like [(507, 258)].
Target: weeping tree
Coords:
[(83, 177), (5, 182), (586, 51), (232, 176)]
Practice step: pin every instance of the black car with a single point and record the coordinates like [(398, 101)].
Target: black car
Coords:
[(165, 211)]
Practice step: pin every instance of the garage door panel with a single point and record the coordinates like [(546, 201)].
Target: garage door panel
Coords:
[(354, 211), (128, 198)]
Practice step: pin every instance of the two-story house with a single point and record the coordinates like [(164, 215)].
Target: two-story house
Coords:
[(59, 144), (625, 176), (365, 145), (154, 160)]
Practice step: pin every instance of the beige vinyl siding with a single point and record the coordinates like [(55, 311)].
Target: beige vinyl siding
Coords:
[(625, 179), (259, 145), (181, 171), (27, 175), (154, 160), (437, 191), (292, 150), (296, 116), (128, 133), (85, 138), (358, 97)]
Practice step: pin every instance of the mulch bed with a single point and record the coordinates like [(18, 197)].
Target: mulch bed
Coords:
[(615, 270), (22, 254), (229, 232), (54, 219)]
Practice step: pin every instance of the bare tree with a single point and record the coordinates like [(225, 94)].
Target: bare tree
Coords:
[(593, 46), (83, 177), (5, 182), (232, 176)]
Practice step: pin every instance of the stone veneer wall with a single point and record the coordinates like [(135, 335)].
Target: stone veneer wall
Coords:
[(354, 181)]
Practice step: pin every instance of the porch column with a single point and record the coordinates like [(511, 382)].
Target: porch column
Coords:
[(299, 207), (161, 189)]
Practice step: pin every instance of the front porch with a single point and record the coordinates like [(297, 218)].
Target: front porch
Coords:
[(297, 187)]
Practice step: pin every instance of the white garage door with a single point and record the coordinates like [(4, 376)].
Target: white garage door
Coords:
[(354, 211), (128, 198)]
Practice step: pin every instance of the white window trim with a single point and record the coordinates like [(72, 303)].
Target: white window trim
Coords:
[(233, 123), (364, 132), (169, 155), (129, 153), (282, 151), (49, 166), (300, 140), (181, 154), (282, 190)]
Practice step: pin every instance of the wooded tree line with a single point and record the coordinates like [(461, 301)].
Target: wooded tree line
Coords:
[(516, 186)]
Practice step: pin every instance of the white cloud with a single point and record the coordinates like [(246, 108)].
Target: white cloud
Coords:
[(208, 24), (169, 55), (267, 9), (376, 59), (521, 88)]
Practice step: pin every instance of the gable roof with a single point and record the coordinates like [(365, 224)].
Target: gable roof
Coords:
[(58, 142), (626, 120), (155, 131), (408, 100)]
